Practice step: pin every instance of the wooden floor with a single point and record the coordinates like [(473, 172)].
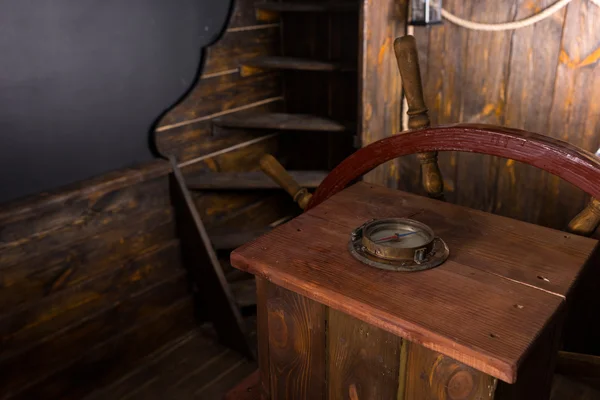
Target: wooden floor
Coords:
[(192, 367)]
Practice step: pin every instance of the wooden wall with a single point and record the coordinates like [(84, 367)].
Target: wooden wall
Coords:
[(84, 273), (544, 78), (380, 106)]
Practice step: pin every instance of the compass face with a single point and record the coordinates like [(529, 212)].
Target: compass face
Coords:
[(398, 234), (397, 244)]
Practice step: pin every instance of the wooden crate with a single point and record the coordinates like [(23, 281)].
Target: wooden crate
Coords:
[(485, 324)]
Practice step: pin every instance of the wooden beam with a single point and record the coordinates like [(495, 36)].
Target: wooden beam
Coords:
[(203, 265)]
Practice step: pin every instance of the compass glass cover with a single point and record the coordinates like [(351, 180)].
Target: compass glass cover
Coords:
[(398, 235)]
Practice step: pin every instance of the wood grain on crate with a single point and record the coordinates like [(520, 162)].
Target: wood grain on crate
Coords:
[(294, 320), (364, 361)]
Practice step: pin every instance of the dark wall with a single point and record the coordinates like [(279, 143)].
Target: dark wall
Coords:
[(83, 82)]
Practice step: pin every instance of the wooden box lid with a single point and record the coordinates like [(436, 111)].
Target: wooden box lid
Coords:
[(502, 285)]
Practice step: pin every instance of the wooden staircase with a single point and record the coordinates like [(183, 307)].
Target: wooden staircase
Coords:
[(317, 70), (309, 97)]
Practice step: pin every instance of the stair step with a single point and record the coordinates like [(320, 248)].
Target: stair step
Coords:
[(226, 240), (250, 180), (280, 121), (259, 64), (232, 241), (244, 292)]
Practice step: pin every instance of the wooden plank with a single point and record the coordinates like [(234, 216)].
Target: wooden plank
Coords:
[(58, 269), (187, 365), (218, 208), (97, 209), (217, 94), (431, 307), (108, 360), (168, 363), (297, 345), (202, 263), (237, 47), (479, 239), (530, 83), (243, 14), (262, 333), (265, 211), (574, 115), (293, 63), (29, 208), (363, 360), (31, 324), (43, 359), (182, 383), (249, 180), (196, 139), (483, 100), (281, 121), (430, 375), (380, 89), (254, 215)]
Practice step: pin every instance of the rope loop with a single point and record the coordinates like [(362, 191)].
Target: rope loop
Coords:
[(505, 26)]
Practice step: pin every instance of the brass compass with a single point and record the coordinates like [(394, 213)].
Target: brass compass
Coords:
[(397, 244)]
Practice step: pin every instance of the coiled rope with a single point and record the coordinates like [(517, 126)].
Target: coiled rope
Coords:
[(477, 26)]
